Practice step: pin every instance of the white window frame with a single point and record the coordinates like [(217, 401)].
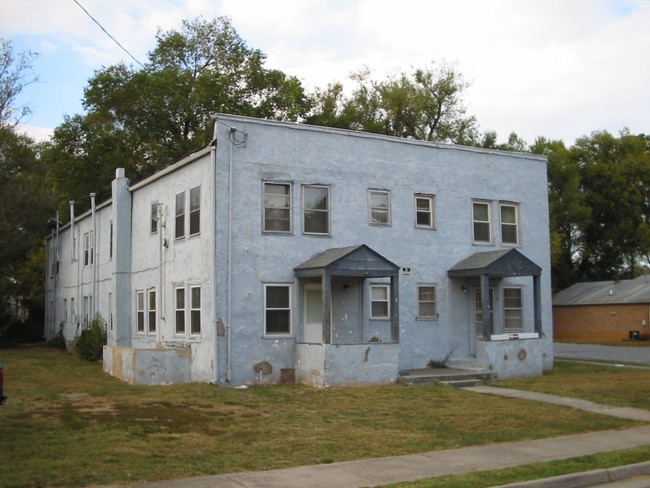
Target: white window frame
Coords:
[(195, 211), (89, 251), (515, 206), (195, 311), (288, 309), (179, 215), (326, 210), (140, 312), (179, 311), (155, 218), (422, 302), (152, 311), (519, 309), (288, 209), (385, 299), (374, 209), (487, 222), (431, 199)]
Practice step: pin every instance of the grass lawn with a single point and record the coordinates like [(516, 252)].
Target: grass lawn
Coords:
[(67, 423)]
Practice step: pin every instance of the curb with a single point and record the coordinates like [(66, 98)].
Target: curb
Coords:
[(588, 478)]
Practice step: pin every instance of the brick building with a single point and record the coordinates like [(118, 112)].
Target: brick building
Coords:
[(604, 310)]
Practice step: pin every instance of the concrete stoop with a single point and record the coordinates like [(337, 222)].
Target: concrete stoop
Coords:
[(459, 378)]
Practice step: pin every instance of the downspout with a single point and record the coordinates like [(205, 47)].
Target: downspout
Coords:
[(229, 299), (215, 319), (161, 242), (93, 256)]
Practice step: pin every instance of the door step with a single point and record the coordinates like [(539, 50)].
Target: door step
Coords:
[(466, 383)]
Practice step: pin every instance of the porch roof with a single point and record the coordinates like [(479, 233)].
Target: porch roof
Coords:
[(358, 260), (501, 263)]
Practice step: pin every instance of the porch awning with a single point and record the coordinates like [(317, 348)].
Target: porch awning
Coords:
[(499, 264), (357, 260)]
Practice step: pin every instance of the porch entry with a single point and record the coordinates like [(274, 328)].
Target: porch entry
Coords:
[(495, 265), (332, 284)]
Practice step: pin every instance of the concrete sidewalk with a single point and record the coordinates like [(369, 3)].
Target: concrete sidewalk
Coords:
[(382, 471)]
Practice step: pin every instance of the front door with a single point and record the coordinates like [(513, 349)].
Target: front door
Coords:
[(478, 317), (313, 313)]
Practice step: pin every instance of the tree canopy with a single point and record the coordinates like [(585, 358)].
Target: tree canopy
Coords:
[(425, 104)]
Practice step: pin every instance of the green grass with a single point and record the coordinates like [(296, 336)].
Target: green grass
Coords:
[(69, 424), (485, 479), (610, 385)]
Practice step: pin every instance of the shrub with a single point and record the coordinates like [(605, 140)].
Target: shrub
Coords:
[(58, 341), (89, 344)]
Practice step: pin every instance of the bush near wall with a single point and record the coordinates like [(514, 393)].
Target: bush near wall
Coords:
[(90, 343)]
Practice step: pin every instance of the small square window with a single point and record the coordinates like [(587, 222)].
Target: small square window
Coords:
[(481, 222), (509, 223), (424, 215), (427, 301), (379, 207), (379, 301), (277, 309)]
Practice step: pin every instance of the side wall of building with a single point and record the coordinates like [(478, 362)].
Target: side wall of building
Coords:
[(601, 322)]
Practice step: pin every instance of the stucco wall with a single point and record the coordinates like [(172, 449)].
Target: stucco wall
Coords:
[(604, 322)]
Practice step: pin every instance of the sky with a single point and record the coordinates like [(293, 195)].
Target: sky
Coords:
[(560, 69)]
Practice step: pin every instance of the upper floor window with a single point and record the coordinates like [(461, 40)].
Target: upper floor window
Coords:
[(424, 215), (88, 248), (509, 223), (481, 222), (277, 207), (110, 241), (379, 301), (195, 211), (153, 223), (316, 209), (512, 309), (277, 309), (427, 301), (179, 221), (379, 207)]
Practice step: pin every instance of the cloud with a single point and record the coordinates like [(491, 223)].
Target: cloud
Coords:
[(558, 68)]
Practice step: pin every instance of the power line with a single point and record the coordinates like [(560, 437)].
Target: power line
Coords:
[(106, 32)]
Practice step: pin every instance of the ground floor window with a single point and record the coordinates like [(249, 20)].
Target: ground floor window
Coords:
[(277, 309), (478, 305), (139, 310), (195, 309), (427, 301), (379, 301), (512, 309), (152, 310), (180, 310)]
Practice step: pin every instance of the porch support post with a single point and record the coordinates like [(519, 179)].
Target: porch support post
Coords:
[(394, 308), (537, 301), (327, 308), (485, 299)]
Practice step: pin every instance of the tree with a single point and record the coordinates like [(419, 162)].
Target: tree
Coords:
[(568, 211), (144, 119), (615, 177), (425, 104), (15, 75)]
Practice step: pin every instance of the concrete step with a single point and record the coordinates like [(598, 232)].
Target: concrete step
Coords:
[(444, 375), (465, 383)]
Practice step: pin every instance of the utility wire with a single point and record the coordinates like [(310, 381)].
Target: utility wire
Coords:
[(106, 32)]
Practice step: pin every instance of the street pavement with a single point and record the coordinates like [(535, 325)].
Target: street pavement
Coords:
[(382, 471), (619, 354)]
